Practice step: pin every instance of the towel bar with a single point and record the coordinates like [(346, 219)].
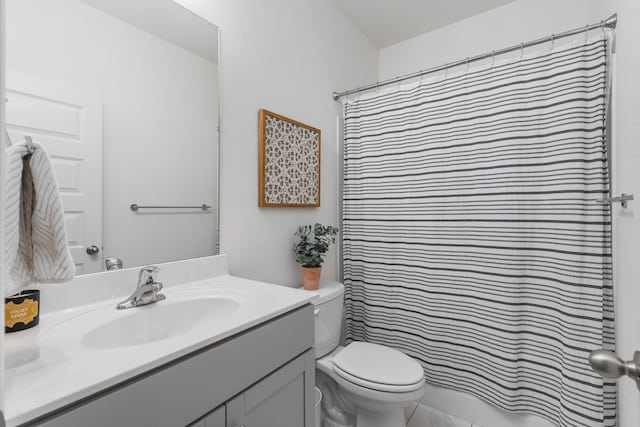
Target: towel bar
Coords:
[(134, 207)]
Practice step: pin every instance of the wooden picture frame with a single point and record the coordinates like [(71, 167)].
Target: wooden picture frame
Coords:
[(288, 162)]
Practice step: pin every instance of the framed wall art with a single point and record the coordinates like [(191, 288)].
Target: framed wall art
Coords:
[(288, 161)]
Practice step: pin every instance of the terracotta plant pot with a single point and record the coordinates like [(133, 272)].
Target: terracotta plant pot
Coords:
[(311, 277)]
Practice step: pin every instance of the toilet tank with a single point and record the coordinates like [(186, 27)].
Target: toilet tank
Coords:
[(328, 316)]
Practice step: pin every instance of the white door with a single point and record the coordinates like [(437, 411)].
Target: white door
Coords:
[(68, 123)]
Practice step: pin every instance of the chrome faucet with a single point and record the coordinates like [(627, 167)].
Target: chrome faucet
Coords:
[(147, 290)]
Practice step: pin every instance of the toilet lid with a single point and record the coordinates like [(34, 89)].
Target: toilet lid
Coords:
[(379, 367)]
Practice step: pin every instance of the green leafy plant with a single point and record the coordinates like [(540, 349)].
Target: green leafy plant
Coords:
[(312, 244)]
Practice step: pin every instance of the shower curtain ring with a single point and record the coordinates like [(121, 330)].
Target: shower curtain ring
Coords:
[(553, 41), (493, 57), (586, 33), (521, 50), (467, 71), (354, 95), (446, 71), (602, 28)]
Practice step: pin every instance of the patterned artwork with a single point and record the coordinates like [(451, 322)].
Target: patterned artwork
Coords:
[(289, 161)]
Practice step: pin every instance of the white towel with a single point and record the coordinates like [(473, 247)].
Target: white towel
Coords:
[(36, 247)]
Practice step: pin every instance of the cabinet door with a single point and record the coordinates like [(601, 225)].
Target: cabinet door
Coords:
[(282, 399), (216, 419)]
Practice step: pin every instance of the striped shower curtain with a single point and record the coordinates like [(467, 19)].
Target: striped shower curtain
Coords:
[(472, 237)]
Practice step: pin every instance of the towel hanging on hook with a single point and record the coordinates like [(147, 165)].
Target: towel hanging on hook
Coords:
[(36, 245)]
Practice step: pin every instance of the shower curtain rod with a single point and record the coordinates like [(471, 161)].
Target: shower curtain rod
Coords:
[(610, 22)]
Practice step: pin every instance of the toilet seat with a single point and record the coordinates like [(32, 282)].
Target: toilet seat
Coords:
[(378, 386), (378, 368)]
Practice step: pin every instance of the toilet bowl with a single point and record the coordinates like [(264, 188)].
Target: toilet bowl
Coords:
[(363, 384)]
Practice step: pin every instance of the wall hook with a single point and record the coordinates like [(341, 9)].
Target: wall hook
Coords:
[(623, 199)]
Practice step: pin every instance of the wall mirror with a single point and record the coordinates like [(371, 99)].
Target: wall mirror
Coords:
[(124, 96)]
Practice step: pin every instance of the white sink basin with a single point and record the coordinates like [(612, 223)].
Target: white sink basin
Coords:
[(158, 321), (181, 314)]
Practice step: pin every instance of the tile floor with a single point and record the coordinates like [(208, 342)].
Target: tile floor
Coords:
[(423, 416)]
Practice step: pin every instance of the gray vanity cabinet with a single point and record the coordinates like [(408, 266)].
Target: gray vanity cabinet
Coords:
[(278, 400), (216, 418), (262, 377)]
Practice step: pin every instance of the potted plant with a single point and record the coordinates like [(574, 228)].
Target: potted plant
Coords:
[(311, 245)]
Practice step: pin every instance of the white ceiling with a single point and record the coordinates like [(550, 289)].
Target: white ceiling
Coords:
[(387, 22)]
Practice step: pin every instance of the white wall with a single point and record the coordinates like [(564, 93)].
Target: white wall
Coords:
[(287, 56), (626, 179), (508, 25), (160, 119), (521, 21)]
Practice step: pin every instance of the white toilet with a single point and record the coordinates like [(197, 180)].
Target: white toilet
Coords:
[(363, 384)]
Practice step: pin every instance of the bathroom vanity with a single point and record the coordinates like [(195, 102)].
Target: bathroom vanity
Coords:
[(219, 351)]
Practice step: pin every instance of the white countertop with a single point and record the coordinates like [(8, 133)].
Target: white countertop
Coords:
[(51, 365)]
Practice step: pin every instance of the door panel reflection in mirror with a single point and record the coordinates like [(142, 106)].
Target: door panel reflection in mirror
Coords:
[(68, 123), (145, 86)]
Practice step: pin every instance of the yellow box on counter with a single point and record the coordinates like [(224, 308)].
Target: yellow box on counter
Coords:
[(22, 310)]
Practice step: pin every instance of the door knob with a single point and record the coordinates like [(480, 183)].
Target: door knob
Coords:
[(93, 249), (609, 365)]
